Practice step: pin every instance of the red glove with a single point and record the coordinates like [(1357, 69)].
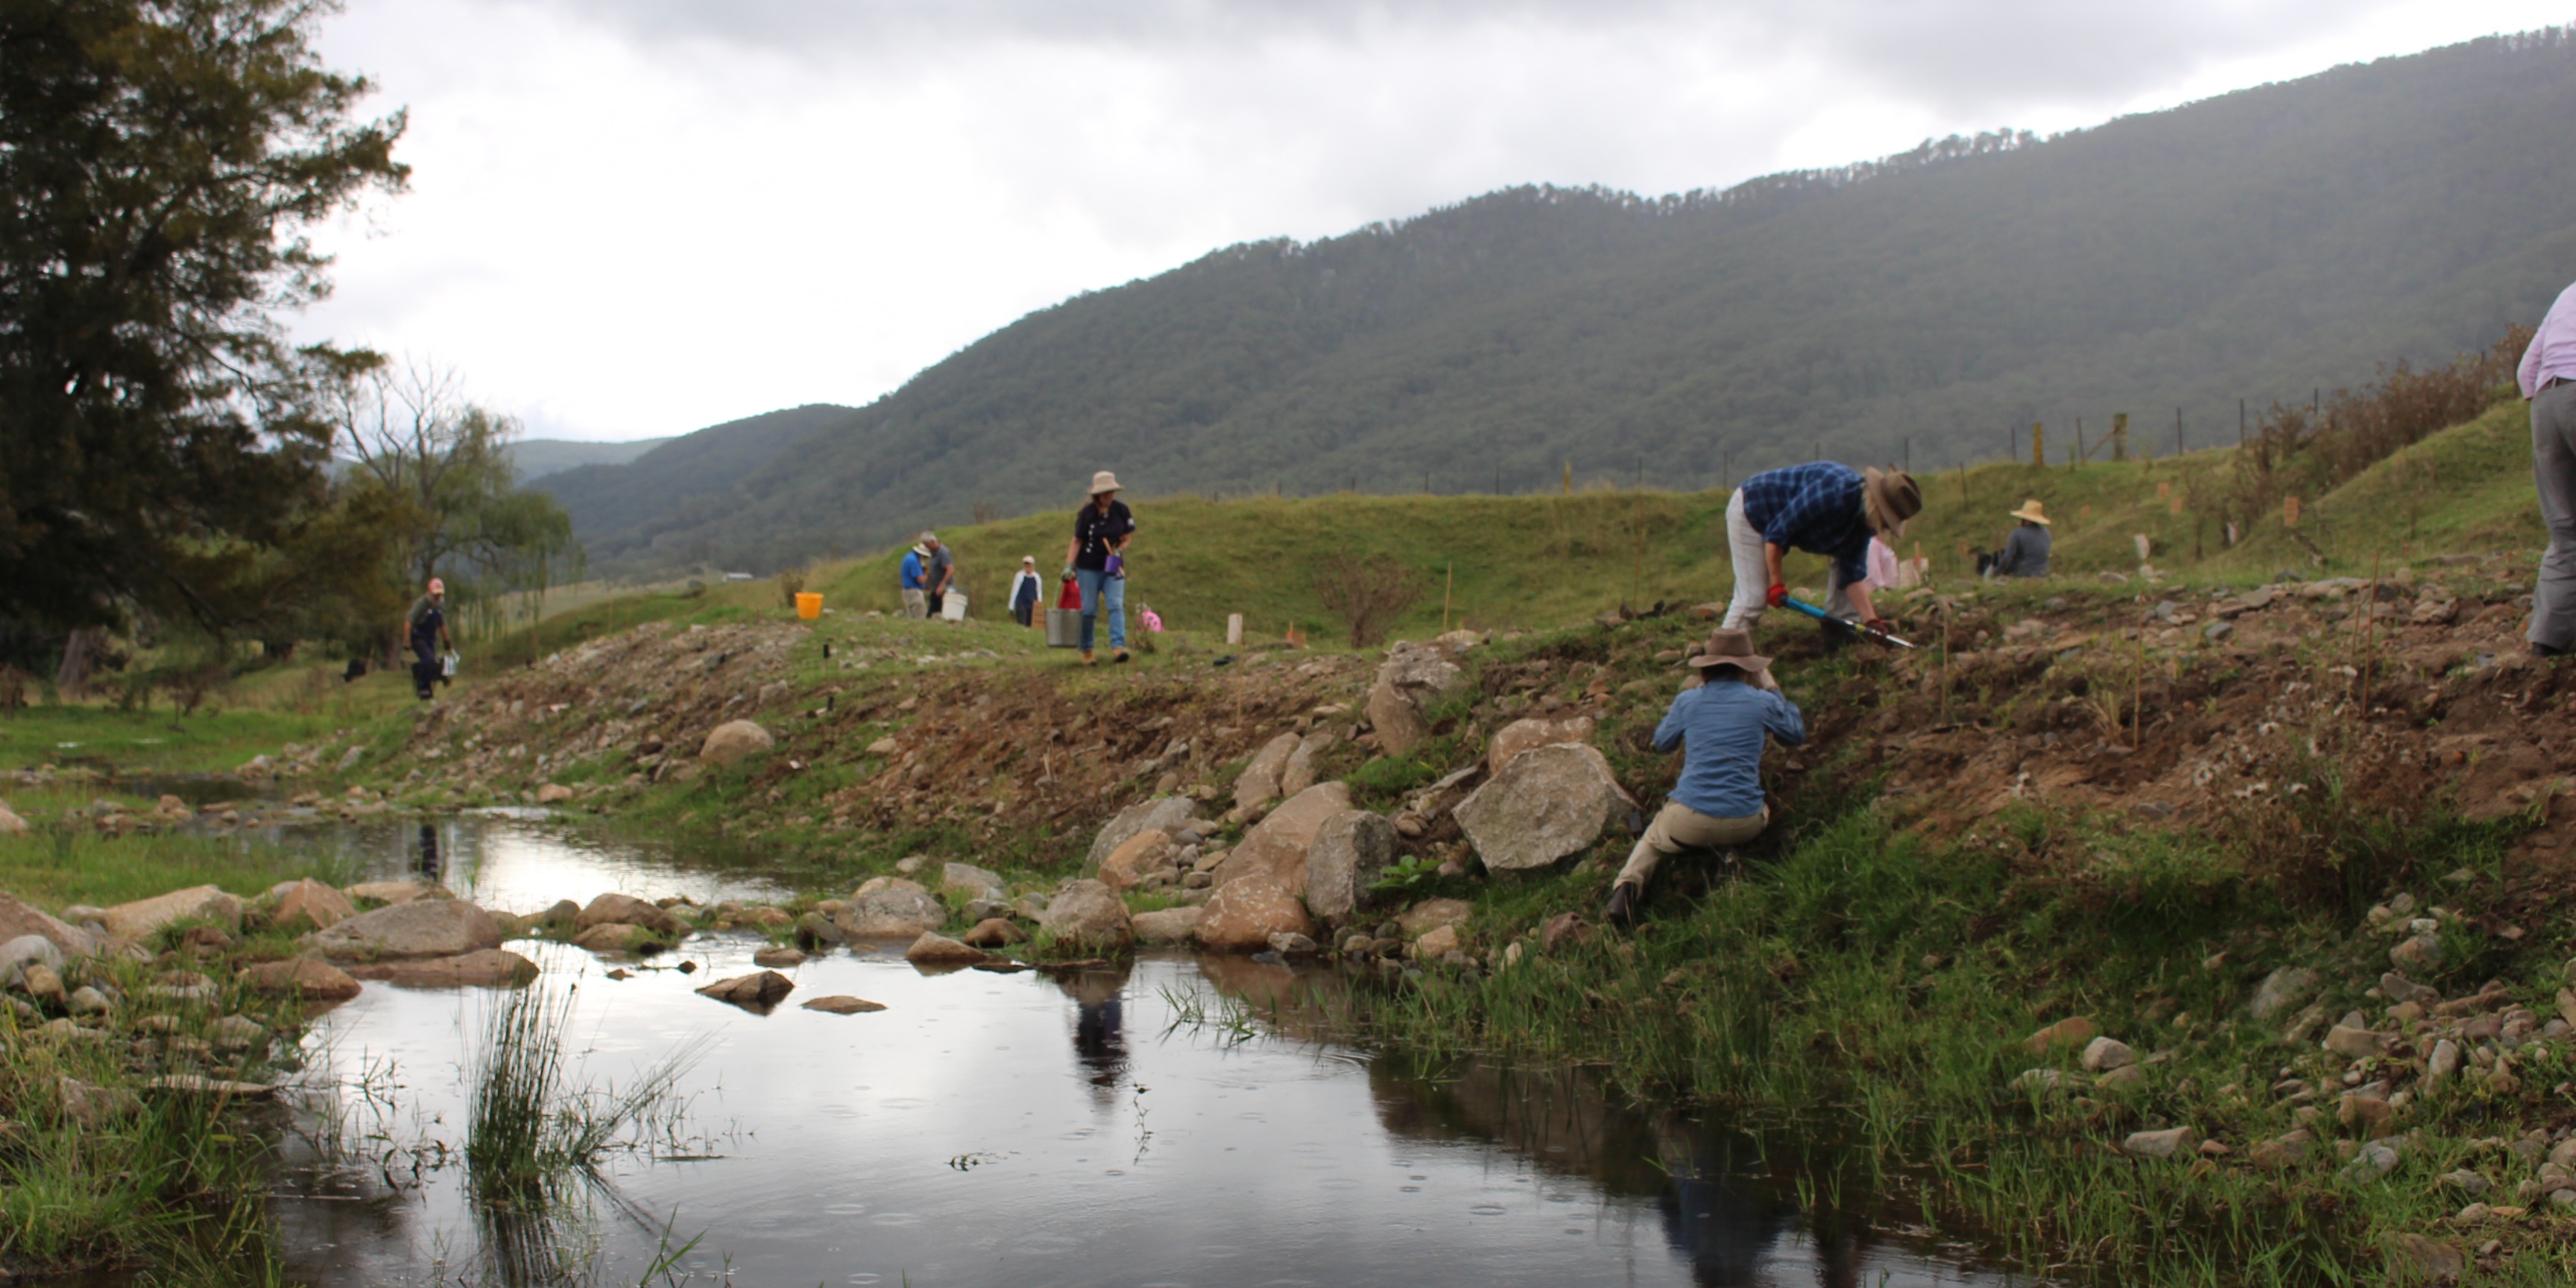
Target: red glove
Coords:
[(1779, 596), (1880, 625)]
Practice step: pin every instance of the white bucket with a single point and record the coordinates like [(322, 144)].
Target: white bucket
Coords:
[(953, 608)]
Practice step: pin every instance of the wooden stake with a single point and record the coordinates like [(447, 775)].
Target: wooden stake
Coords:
[(2369, 635), (1448, 583)]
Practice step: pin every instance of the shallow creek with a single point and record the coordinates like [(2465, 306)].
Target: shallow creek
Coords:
[(1176, 1121)]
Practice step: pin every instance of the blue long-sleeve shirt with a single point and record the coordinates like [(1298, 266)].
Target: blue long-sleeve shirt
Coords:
[(1721, 728), (912, 571), (1816, 507)]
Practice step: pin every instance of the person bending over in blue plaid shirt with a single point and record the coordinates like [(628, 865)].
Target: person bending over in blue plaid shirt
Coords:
[(1822, 508)]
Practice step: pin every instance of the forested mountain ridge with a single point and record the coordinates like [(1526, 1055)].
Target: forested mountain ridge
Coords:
[(2252, 246)]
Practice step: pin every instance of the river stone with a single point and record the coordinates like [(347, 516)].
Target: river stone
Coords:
[(2443, 1062), (1523, 735), (733, 740), (1167, 926), (310, 978), (1351, 850), (24, 951), (93, 1106), (935, 949), (778, 955), (2355, 1043), (758, 991), (2280, 1151), (1277, 846), (2103, 1055), (18, 919), (1431, 914), (2160, 1144), (1548, 803), (1147, 851), (482, 968), (2074, 1030), (137, 921), (1299, 773), (1436, 943), (1088, 914), (971, 881), (994, 932), (895, 910), (1258, 784), (42, 983), (421, 928), (10, 823), (1161, 814), (393, 892), (307, 905), (814, 930), (2422, 953), (2398, 988), (2414, 1259), (553, 794), (2281, 990), (627, 910), (843, 1004), (619, 937)]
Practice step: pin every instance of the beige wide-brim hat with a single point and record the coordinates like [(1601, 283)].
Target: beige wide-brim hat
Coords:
[(2030, 510), (1731, 647), (1890, 497), (1104, 481)]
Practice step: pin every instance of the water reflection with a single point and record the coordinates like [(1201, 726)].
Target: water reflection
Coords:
[(431, 870), (992, 1129), (1099, 1027)]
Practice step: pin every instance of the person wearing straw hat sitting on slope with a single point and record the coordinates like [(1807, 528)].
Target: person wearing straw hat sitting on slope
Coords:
[(1721, 727), (1823, 508), (2025, 552)]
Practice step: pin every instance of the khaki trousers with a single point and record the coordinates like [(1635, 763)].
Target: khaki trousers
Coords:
[(1679, 827), (916, 605), (1753, 574)]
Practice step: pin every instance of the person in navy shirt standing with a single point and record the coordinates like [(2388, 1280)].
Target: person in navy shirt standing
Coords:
[(1823, 508), (1722, 728), (1097, 558)]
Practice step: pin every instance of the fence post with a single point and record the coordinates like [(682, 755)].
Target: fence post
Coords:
[(2038, 445), (2119, 436)]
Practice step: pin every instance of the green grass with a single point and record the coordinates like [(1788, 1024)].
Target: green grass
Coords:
[(55, 866)]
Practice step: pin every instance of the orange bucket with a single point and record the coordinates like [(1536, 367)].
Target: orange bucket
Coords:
[(809, 605)]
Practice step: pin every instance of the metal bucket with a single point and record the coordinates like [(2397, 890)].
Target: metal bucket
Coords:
[(1064, 628)]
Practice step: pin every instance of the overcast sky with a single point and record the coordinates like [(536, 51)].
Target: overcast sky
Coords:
[(632, 218)]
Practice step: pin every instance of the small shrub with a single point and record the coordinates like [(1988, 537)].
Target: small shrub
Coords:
[(1368, 595)]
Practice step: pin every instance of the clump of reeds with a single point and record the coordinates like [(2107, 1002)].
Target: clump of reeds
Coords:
[(528, 1127)]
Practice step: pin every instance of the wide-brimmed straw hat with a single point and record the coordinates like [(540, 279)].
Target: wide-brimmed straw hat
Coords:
[(1890, 497), (1728, 646), (2030, 510), (1104, 481)]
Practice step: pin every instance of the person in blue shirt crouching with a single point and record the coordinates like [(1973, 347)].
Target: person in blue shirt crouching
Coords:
[(1722, 728)]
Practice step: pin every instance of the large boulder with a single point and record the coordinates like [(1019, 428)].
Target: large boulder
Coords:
[(307, 905), (421, 928), (1259, 783), (309, 978), (482, 968), (971, 881), (1549, 802), (1161, 814), (138, 920), (1278, 845), (21, 919), (1412, 678), (1168, 926), (1245, 912), (936, 950), (1522, 735), (897, 909), (627, 910), (1089, 914), (733, 740), (1144, 852), (1350, 852)]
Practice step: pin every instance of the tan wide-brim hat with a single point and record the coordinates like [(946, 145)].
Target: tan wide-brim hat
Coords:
[(1731, 647), (1104, 481), (1890, 497), (2031, 511)]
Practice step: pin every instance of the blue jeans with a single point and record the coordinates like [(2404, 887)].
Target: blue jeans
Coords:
[(1100, 590)]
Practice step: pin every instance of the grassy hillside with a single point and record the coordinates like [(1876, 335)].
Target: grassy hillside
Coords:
[(2253, 246), (1537, 561)]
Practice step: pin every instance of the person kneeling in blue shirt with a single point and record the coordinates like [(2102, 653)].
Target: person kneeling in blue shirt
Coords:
[(1721, 727)]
